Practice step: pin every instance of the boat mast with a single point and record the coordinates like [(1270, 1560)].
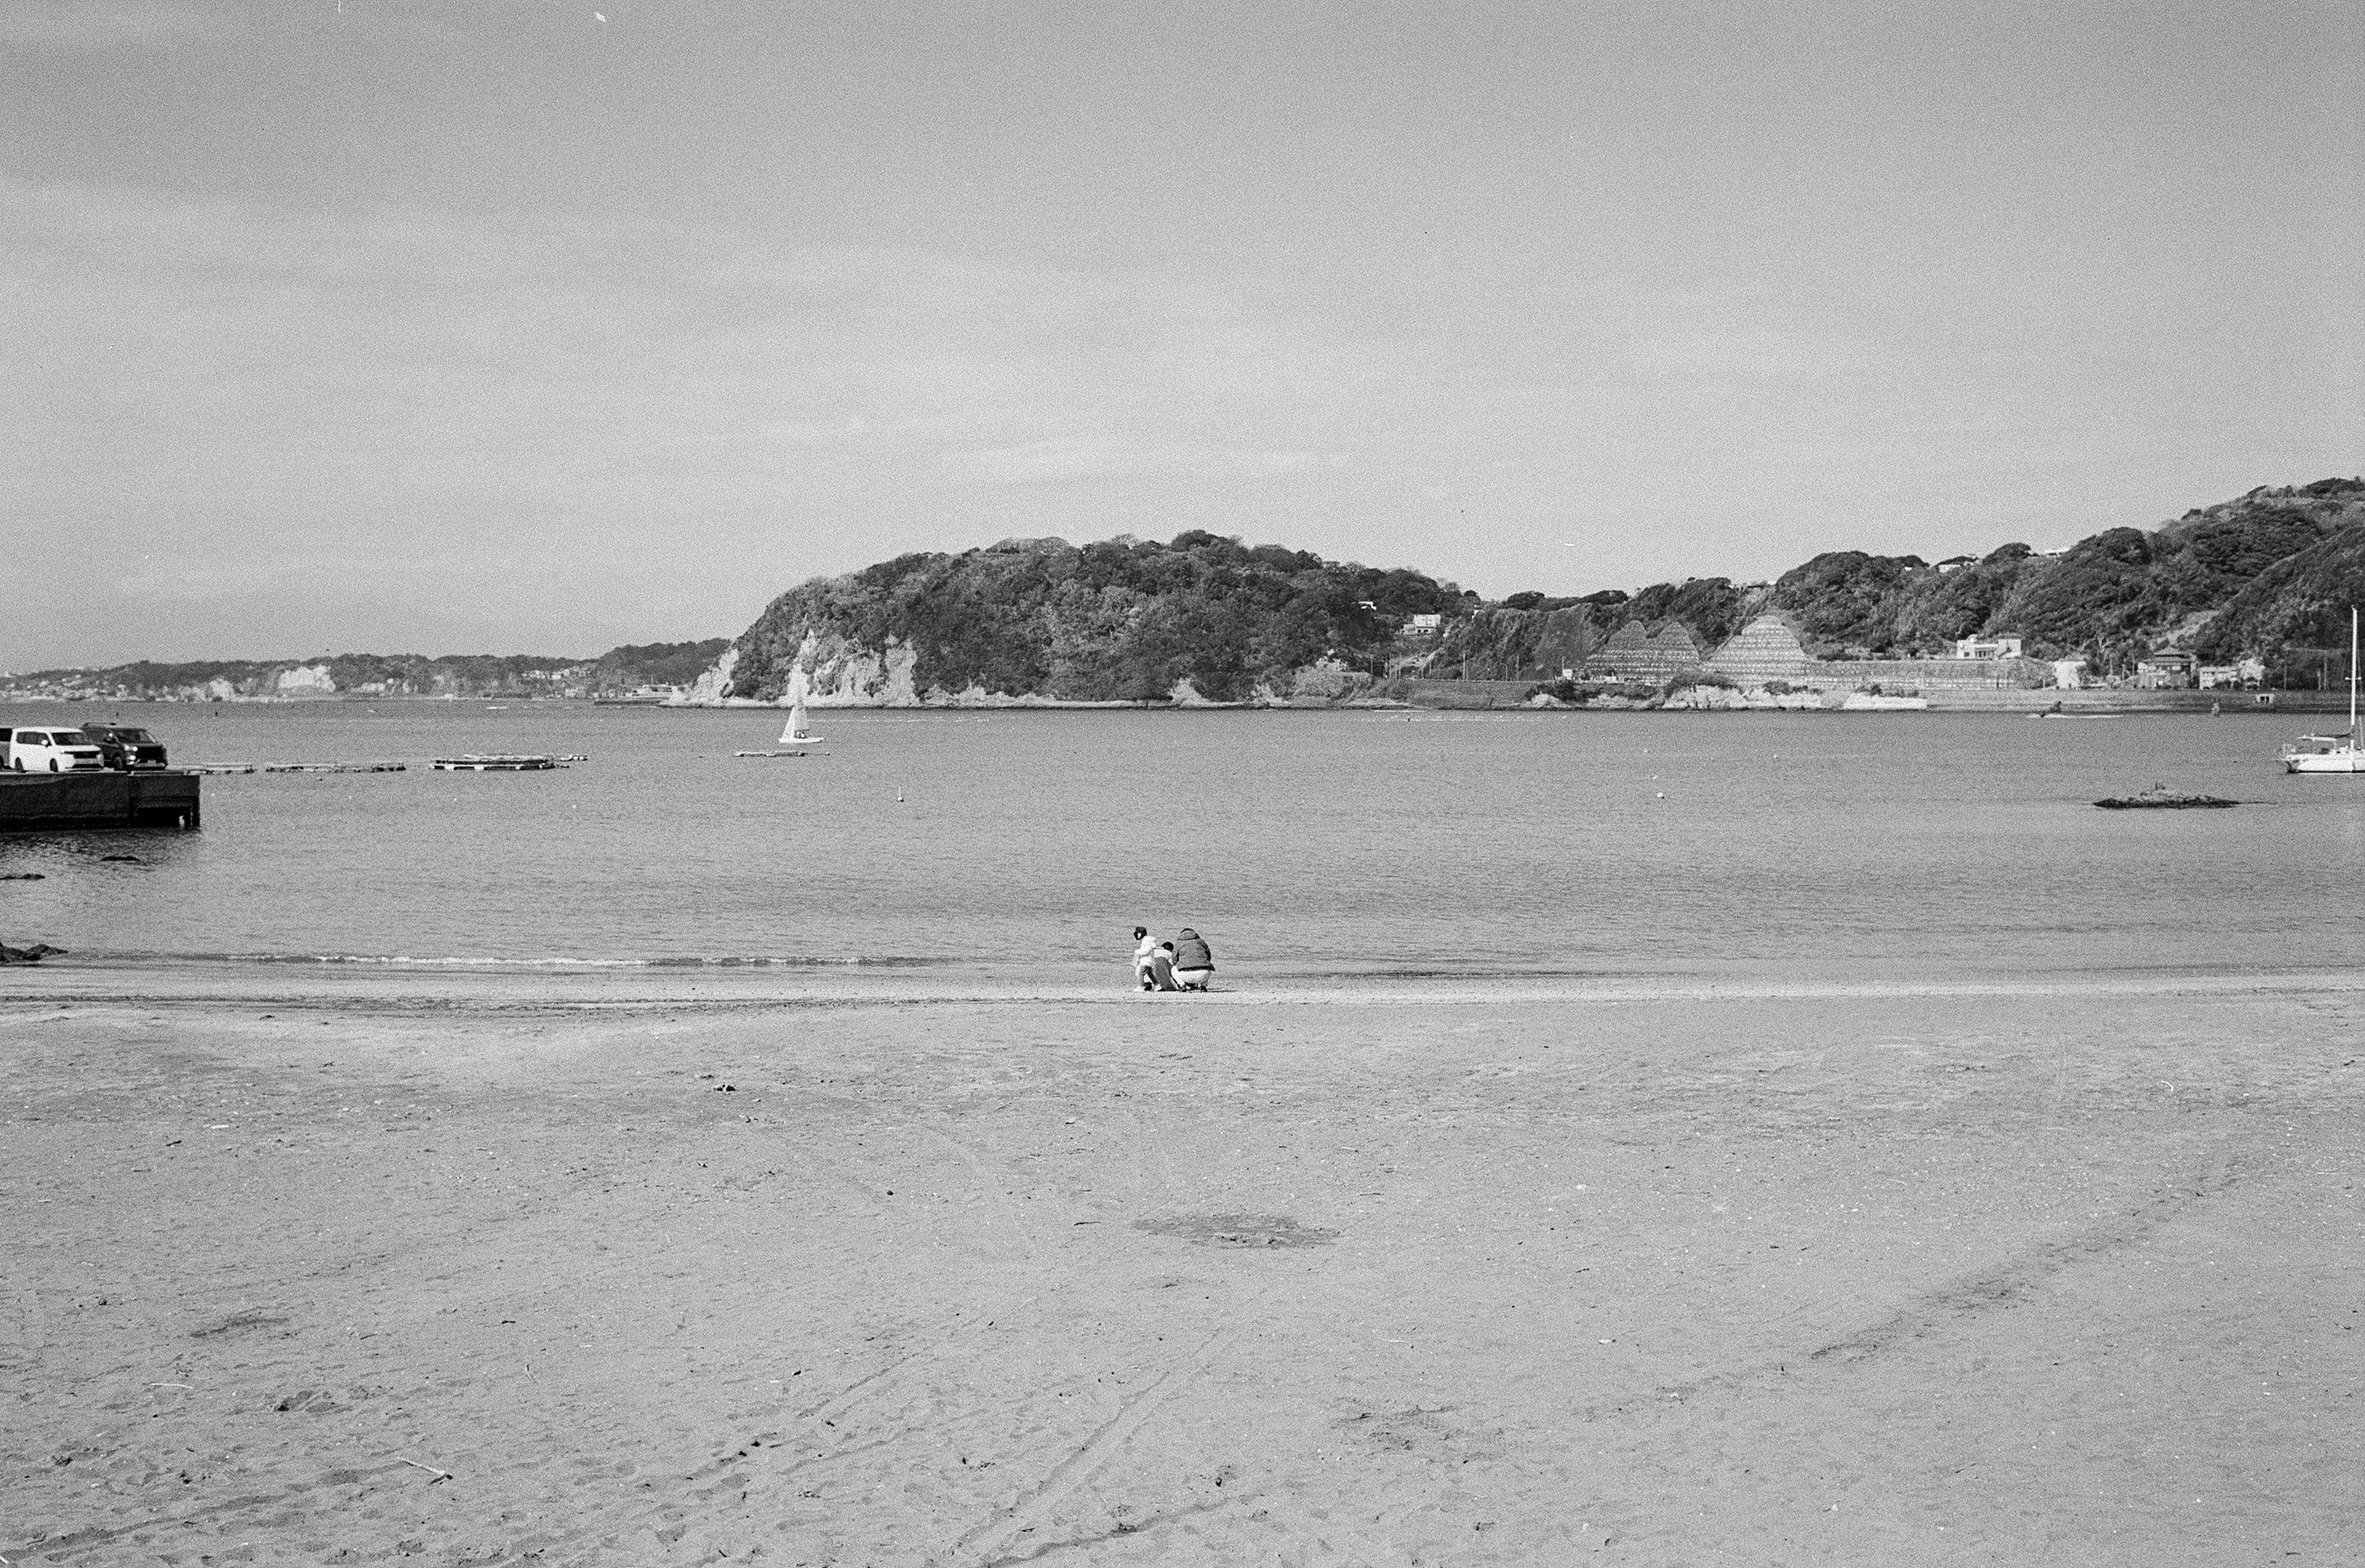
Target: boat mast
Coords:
[(2352, 676)]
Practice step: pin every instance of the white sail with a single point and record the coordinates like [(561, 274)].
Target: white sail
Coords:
[(796, 730)]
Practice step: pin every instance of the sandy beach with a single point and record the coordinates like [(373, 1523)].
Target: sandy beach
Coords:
[(300, 1272)]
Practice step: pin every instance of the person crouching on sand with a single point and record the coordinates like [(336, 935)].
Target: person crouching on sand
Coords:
[(1161, 967), (1145, 947), (1195, 961)]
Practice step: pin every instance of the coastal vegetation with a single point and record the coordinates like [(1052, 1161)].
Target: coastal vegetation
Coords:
[(1121, 619), (620, 671), (2268, 575), (2267, 578)]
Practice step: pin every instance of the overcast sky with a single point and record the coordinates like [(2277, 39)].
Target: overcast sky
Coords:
[(494, 325)]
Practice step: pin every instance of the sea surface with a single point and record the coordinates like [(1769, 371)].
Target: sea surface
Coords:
[(1305, 845)]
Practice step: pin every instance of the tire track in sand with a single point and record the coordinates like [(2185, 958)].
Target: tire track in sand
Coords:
[(767, 1457), (2013, 1281), (991, 1541), (80, 1542)]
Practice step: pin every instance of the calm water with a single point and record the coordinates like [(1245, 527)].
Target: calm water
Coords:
[(1301, 844)]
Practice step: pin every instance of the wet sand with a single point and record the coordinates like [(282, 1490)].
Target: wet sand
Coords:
[(307, 1271)]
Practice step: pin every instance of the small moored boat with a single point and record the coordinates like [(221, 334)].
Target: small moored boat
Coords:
[(2331, 754)]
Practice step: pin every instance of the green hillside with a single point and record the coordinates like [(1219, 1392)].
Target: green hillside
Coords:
[(1122, 620), (2270, 575)]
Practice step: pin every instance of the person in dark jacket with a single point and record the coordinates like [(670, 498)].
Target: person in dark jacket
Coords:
[(1194, 962)]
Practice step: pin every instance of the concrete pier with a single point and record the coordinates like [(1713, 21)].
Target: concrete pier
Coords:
[(53, 803)]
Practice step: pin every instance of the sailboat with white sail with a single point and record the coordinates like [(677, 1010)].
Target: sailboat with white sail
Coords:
[(2331, 754), (795, 734)]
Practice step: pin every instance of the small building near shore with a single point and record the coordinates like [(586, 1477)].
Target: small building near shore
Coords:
[(2165, 671), (2068, 675), (2243, 675), (2003, 645)]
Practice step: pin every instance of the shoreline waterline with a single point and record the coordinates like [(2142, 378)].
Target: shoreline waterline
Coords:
[(463, 987)]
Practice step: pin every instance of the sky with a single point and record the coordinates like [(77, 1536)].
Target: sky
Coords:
[(536, 326)]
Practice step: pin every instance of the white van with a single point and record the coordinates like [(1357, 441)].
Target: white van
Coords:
[(48, 749)]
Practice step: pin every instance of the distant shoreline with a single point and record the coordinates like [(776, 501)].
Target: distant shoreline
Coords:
[(2085, 702), (494, 987)]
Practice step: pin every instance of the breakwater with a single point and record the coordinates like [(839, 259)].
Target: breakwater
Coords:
[(42, 803), (1506, 694)]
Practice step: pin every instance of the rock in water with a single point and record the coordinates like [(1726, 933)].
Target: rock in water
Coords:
[(2160, 798)]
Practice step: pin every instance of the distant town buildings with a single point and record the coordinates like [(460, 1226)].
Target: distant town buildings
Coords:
[(2068, 675), (2245, 675), (2003, 645), (1424, 626), (2165, 670)]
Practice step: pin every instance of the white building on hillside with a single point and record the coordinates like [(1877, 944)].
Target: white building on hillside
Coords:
[(2246, 674)]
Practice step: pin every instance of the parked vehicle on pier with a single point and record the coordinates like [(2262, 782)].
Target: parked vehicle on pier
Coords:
[(49, 749), (126, 748)]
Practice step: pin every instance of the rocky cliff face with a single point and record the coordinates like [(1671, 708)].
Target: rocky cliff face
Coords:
[(830, 670)]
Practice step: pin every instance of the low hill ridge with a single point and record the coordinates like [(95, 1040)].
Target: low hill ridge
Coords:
[(652, 667), (2268, 575)]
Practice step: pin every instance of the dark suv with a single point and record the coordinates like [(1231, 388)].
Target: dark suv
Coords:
[(125, 747)]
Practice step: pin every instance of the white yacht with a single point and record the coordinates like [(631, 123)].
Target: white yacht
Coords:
[(2331, 754)]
